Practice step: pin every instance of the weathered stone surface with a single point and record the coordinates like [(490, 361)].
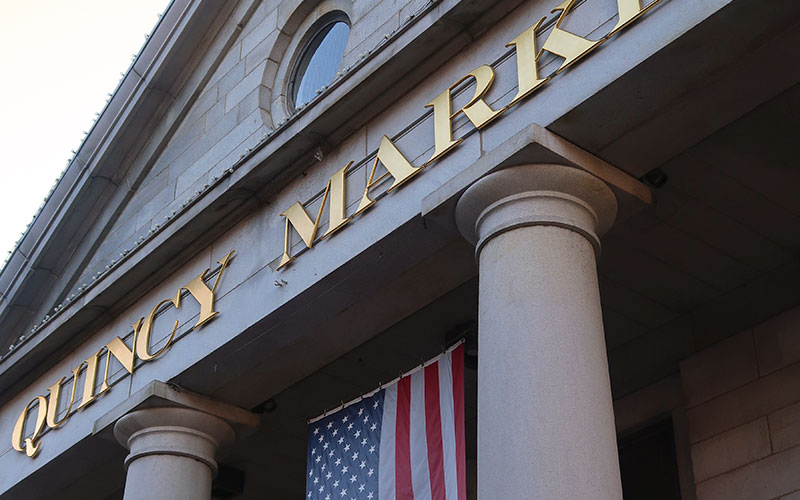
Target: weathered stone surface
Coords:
[(747, 403), (729, 450), (778, 341), (719, 369), (784, 426), (765, 479)]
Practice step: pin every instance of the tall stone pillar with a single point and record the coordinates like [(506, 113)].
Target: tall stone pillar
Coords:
[(172, 452), (545, 417)]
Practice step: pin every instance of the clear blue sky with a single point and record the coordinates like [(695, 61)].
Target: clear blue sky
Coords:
[(60, 60)]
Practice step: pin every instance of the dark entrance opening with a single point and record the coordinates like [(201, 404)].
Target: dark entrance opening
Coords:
[(648, 464)]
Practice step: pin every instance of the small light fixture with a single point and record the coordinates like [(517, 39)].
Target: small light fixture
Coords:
[(656, 178), (267, 406)]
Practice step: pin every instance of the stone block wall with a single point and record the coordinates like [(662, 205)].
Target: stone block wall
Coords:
[(743, 407), (233, 111)]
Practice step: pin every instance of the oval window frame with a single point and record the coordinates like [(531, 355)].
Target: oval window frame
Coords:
[(311, 42)]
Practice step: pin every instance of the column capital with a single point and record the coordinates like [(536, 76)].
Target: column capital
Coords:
[(173, 436), (541, 345), (183, 432), (536, 195)]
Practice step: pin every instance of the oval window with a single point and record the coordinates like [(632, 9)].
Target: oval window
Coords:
[(320, 60)]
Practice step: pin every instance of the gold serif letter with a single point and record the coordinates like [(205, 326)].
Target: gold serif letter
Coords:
[(527, 63), (565, 44), (477, 110), (91, 379), (396, 165), (442, 125), (297, 217), (145, 328), (629, 11), (123, 354), (204, 295), (31, 447), (55, 396), (116, 348)]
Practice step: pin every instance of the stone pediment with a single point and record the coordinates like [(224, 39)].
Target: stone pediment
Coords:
[(157, 171), (128, 177)]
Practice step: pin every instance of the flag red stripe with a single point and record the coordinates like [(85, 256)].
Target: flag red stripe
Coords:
[(402, 467), (433, 432), (458, 406)]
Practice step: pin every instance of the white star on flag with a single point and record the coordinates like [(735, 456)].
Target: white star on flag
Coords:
[(388, 453)]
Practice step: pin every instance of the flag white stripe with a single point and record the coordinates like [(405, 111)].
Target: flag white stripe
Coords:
[(386, 481), (448, 427), (420, 475), (417, 438)]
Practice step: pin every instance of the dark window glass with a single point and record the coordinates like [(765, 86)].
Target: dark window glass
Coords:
[(320, 61)]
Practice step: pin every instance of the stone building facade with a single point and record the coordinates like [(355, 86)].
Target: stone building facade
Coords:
[(599, 197)]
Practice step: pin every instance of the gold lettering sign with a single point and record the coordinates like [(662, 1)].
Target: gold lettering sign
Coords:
[(47, 409), (478, 112), (527, 67), (297, 217), (31, 447), (396, 165), (146, 328), (91, 378), (629, 11), (55, 396), (565, 44), (559, 42)]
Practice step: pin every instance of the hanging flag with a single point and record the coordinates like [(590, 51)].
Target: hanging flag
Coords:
[(402, 442)]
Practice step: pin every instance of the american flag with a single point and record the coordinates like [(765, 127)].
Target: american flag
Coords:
[(403, 442)]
